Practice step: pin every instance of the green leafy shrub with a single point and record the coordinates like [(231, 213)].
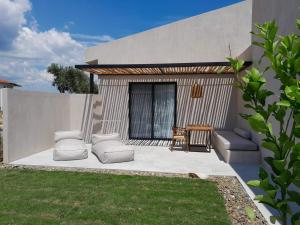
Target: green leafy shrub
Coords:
[(283, 55)]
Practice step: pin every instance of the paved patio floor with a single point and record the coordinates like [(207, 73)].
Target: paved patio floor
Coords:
[(160, 159), (147, 158)]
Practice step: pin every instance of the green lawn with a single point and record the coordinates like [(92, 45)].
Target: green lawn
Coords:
[(41, 197)]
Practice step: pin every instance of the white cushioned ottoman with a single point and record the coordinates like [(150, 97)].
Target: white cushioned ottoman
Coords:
[(69, 146), (110, 149)]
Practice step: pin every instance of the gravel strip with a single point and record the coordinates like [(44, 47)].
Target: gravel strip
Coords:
[(235, 196), (236, 201)]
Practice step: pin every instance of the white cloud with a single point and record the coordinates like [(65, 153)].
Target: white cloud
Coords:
[(68, 25), (12, 17), (25, 52), (90, 40), (100, 38), (51, 46), (33, 24), (32, 51), (28, 73)]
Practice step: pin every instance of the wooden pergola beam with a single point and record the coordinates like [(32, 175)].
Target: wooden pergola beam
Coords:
[(160, 69)]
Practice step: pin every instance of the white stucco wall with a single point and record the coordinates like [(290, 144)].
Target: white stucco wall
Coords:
[(209, 37), (29, 121), (285, 14), (202, 38), (216, 107), (31, 118), (84, 113)]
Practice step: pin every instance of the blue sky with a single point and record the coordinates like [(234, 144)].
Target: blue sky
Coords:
[(117, 18), (39, 32)]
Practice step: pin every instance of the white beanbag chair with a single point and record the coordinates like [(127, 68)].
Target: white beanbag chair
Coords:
[(73, 134), (110, 149), (105, 137), (69, 146)]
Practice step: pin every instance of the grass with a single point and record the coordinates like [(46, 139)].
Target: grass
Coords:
[(43, 197)]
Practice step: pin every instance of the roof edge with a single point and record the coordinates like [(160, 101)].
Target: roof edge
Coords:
[(157, 65)]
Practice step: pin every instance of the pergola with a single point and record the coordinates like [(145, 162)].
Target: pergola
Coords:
[(158, 69)]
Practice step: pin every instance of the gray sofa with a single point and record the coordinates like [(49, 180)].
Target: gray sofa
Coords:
[(236, 146)]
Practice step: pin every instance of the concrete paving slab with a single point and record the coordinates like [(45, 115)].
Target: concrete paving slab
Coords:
[(147, 158)]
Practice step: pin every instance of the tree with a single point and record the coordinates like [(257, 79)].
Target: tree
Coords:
[(283, 55), (69, 79)]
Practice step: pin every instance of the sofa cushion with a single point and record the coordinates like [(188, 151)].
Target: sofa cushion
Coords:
[(243, 133), (73, 134), (105, 137), (232, 141), (113, 151)]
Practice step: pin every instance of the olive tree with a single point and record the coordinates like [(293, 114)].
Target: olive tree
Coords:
[(68, 79)]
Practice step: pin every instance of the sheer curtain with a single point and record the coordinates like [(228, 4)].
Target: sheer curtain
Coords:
[(152, 110), (141, 111), (164, 103)]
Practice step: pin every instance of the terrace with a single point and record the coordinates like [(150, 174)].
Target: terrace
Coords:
[(33, 140), (142, 95), (29, 143), (148, 159)]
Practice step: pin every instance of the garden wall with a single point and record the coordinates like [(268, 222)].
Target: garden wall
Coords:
[(31, 118)]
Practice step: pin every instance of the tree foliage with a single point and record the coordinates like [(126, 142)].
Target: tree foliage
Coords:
[(68, 79), (283, 56)]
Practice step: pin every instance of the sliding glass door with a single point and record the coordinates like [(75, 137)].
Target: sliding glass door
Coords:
[(140, 118), (152, 110)]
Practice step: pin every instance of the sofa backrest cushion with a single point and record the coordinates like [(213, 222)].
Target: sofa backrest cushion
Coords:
[(229, 140), (243, 133)]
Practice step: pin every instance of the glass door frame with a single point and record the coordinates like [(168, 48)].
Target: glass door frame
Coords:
[(152, 113)]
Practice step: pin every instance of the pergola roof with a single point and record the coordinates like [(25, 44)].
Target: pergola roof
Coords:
[(160, 69)]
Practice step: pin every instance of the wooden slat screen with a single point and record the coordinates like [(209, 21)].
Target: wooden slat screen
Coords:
[(160, 69), (197, 91)]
